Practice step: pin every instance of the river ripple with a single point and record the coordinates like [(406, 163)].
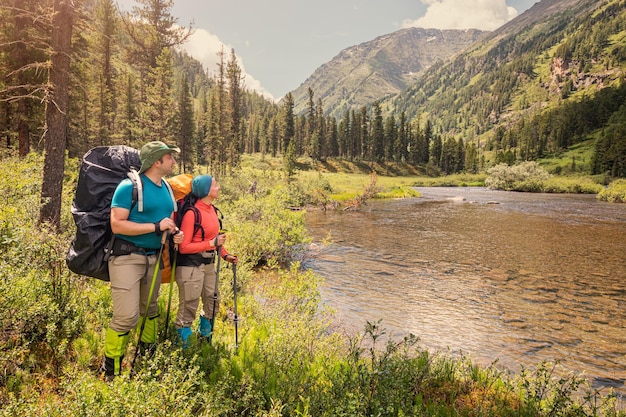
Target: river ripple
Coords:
[(516, 277)]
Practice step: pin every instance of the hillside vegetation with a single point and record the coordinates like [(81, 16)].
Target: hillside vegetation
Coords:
[(291, 359), (535, 89)]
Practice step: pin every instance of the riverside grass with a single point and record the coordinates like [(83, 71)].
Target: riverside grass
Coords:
[(292, 360), (341, 181)]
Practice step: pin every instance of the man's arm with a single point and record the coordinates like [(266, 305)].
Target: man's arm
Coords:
[(121, 225)]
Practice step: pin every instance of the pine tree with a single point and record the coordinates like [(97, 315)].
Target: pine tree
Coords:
[(235, 91), (185, 127), (23, 62), (106, 31), (390, 135), (436, 150), (151, 28), (158, 113), (363, 142), (288, 123), (378, 135), (449, 154)]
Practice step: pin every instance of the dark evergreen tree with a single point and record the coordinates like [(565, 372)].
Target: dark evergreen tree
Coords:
[(23, 61), (460, 156), (390, 134), (436, 150), (449, 155), (378, 135), (235, 111), (185, 128), (288, 123)]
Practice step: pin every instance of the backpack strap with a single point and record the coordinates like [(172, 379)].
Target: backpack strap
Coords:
[(220, 216), (169, 188), (137, 189), (197, 223)]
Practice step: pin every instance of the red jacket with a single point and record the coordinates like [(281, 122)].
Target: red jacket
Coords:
[(193, 243)]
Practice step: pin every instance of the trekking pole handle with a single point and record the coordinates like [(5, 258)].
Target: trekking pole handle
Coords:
[(174, 234)]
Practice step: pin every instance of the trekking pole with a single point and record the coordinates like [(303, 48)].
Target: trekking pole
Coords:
[(235, 316), (152, 285), (218, 251), (172, 282)]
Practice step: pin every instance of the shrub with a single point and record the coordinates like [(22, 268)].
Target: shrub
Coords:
[(40, 311), (615, 192), (527, 176), (265, 230)]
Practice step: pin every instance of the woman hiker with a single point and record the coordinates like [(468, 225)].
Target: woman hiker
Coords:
[(196, 275)]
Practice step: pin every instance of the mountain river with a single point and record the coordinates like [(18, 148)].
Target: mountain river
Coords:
[(515, 277)]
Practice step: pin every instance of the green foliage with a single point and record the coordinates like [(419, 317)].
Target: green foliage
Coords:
[(527, 176), (576, 160), (290, 159), (40, 306), (291, 359), (264, 229), (530, 176), (456, 180), (571, 185), (399, 192), (615, 192)]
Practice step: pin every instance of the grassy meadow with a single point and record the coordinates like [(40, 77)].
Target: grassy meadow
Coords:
[(291, 358)]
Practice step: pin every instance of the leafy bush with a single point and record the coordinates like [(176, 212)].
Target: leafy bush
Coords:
[(615, 192), (265, 230), (527, 176), (571, 185), (40, 309)]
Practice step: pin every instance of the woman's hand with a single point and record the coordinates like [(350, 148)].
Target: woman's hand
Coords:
[(178, 236), (231, 258)]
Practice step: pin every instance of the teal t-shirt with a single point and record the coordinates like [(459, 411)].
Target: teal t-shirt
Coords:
[(157, 205)]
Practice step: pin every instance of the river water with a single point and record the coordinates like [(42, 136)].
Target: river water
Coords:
[(515, 277)]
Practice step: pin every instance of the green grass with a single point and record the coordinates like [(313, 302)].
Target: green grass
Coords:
[(290, 361), (455, 180), (335, 182), (575, 161)]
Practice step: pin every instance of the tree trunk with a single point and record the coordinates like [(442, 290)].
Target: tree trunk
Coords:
[(56, 113), (23, 130), (23, 109)]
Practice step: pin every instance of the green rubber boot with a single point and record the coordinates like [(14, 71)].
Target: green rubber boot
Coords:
[(114, 348), (147, 344)]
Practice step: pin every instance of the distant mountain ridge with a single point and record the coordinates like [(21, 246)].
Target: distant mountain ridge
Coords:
[(556, 49), (396, 66), (382, 67)]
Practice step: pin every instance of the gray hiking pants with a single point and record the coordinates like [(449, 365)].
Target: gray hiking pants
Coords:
[(195, 282)]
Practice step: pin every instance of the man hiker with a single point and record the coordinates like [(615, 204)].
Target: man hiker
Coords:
[(138, 239), (196, 273)]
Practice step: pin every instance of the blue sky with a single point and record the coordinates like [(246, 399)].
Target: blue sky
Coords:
[(280, 43)]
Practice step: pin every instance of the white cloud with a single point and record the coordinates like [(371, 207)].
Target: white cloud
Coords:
[(463, 14), (205, 47)]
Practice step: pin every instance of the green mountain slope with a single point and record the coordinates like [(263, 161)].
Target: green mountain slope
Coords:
[(546, 62)]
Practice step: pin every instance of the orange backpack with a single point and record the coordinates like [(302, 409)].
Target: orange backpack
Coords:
[(181, 186)]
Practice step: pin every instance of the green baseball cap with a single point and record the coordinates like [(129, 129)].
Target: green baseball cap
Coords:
[(153, 151)]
